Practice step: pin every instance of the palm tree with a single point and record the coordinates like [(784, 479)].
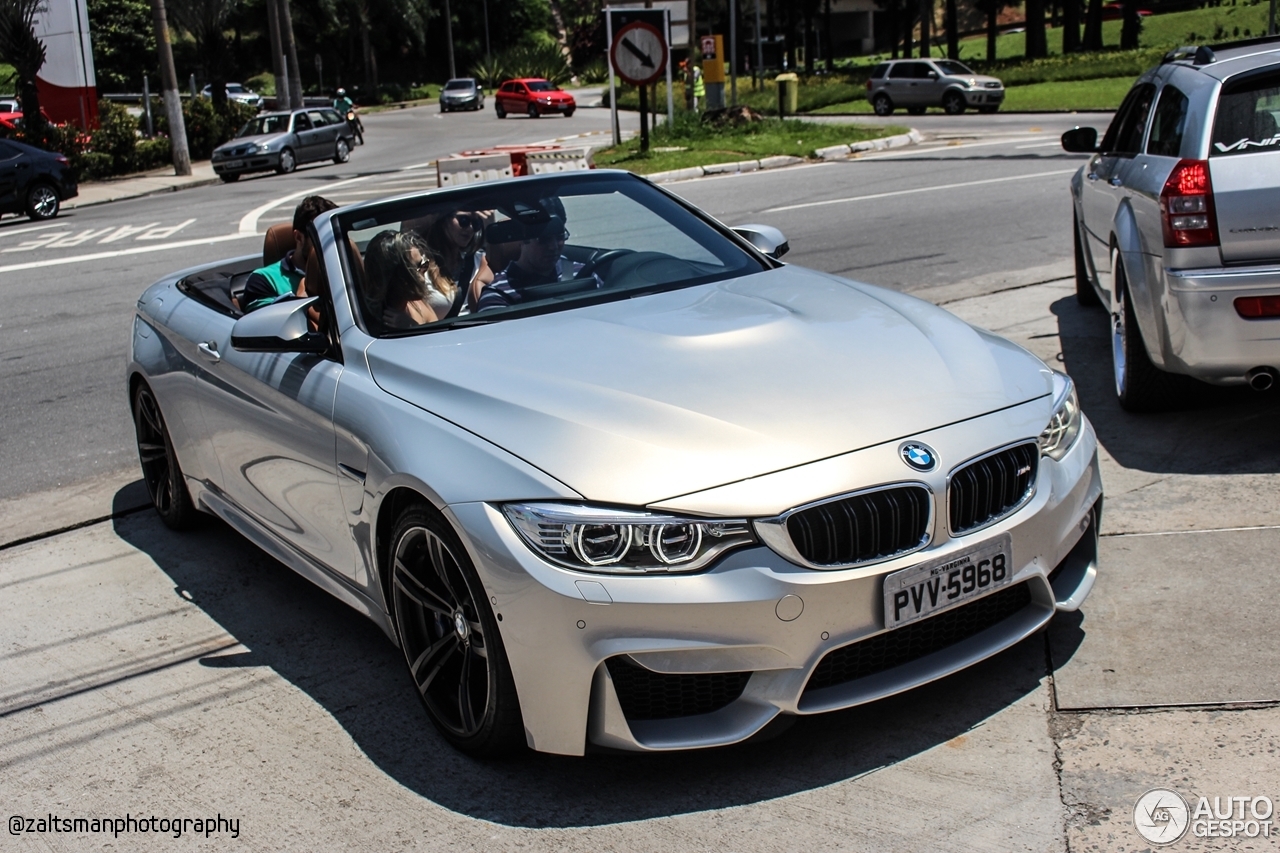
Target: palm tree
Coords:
[(206, 21), (21, 48)]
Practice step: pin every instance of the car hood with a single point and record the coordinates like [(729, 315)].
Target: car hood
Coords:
[(654, 397), (250, 140)]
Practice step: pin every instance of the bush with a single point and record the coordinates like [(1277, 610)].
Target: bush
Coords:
[(545, 61), (595, 71), (153, 153), (207, 127), (93, 166), (116, 137)]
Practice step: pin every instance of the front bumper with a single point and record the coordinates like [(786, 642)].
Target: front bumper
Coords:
[(758, 618), (984, 97), (249, 163), (461, 103), (553, 108), (1207, 339)]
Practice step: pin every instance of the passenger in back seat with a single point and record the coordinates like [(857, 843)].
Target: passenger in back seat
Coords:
[(282, 278)]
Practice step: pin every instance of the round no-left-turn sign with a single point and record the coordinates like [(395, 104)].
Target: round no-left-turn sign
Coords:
[(639, 53)]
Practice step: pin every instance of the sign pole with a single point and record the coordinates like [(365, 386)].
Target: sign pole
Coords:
[(613, 89), (644, 119), (671, 103)]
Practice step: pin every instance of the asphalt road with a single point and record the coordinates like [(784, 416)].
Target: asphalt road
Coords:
[(988, 197)]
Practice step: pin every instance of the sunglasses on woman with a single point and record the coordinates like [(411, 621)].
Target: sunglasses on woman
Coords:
[(466, 220)]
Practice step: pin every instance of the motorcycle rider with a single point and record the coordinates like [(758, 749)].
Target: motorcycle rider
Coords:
[(347, 107)]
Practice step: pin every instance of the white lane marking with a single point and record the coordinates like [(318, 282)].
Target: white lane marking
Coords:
[(249, 222), (137, 250), (1054, 143), (939, 146), (915, 190), (17, 231)]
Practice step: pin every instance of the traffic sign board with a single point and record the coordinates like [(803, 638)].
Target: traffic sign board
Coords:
[(639, 53)]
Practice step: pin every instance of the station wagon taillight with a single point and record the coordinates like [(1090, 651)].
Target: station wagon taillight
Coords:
[(1258, 307), (1186, 206)]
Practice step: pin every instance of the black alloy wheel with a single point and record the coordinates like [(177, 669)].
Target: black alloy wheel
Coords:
[(450, 637), (953, 103), (160, 469), (42, 202), (532, 111), (882, 105), (341, 152), (287, 162)]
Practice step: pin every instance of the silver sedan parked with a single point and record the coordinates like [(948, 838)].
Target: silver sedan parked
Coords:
[(1176, 228), (649, 488), (280, 142)]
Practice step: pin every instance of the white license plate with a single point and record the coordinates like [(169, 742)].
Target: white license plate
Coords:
[(923, 590), (233, 164)]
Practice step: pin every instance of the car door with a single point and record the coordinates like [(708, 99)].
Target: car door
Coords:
[(900, 84), (270, 420), (326, 134), (10, 162), (932, 85), (306, 135), (1103, 187)]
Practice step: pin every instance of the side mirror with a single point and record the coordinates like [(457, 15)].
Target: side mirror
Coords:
[(1080, 140), (766, 238), (279, 327), (933, 75)]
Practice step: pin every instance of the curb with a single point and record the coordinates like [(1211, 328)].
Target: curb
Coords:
[(833, 152), (203, 182)]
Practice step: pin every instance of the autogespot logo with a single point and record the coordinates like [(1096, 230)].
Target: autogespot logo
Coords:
[(919, 456), (1161, 816)]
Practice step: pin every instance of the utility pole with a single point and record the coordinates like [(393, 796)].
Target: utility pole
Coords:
[(169, 83), (448, 32), (290, 56)]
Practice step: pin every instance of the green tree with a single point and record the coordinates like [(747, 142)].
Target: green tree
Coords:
[(124, 44), (20, 47)]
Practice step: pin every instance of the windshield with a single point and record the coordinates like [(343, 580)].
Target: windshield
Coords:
[(510, 249), (541, 86), (950, 66), (458, 84), (265, 124)]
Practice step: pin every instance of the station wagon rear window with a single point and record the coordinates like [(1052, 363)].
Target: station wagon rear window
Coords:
[(1248, 113)]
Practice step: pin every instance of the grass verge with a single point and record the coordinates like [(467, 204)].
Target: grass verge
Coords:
[(1065, 96), (691, 143)]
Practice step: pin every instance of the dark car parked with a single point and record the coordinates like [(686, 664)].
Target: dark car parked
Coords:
[(283, 141), (33, 181)]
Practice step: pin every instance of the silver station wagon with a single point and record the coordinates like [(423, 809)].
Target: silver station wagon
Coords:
[(1177, 223), (649, 489)]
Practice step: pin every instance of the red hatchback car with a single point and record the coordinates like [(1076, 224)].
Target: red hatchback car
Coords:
[(532, 96)]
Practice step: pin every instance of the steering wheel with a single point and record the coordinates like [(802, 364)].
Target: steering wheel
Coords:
[(601, 259)]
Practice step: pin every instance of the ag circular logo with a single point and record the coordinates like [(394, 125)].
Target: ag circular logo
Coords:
[(919, 456), (1161, 816)]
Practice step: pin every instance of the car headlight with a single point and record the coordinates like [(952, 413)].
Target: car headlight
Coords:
[(1064, 426), (972, 83), (617, 541), (263, 147)]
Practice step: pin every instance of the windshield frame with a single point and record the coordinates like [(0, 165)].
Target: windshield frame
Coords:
[(345, 221)]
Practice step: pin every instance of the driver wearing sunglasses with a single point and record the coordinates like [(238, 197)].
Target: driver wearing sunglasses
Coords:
[(540, 262)]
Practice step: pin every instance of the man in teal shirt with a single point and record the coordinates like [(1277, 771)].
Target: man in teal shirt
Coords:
[(283, 279)]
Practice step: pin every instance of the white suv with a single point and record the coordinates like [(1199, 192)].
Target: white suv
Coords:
[(1177, 223)]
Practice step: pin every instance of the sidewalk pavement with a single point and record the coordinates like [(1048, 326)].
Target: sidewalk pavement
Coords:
[(143, 183)]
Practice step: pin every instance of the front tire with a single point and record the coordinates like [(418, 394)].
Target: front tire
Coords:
[(497, 108), (1140, 385), (882, 105), (533, 111), (450, 637), (953, 103), (230, 178), (160, 469), (287, 162), (1085, 294), (569, 112), (341, 152), (42, 202)]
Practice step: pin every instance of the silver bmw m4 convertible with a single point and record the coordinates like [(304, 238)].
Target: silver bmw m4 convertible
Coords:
[(608, 472)]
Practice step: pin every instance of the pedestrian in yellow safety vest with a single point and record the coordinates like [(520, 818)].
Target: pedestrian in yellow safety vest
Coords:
[(699, 88)]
